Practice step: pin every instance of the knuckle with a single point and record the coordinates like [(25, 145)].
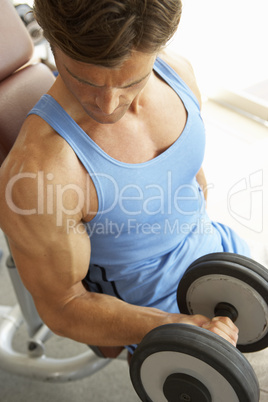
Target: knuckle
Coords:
[(225, 320), (200, 317), (216, 329)]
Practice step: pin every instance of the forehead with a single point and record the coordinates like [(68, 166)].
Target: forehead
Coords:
[(138, 66)]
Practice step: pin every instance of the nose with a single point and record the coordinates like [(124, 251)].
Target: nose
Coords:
[(108, 100)]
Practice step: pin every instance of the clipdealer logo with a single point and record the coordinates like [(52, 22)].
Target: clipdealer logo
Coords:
[(131, 199), (49, 196), (245, 201)]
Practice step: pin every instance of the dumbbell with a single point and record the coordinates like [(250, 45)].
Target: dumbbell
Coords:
[(181, 362)]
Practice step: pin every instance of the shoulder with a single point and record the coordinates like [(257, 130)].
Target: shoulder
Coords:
[(183, 68), (40, 176), (38, 148)]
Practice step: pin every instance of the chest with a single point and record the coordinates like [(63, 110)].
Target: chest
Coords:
[(141, 136)]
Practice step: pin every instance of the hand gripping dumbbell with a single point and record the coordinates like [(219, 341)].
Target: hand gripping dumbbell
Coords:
[(181, 362)]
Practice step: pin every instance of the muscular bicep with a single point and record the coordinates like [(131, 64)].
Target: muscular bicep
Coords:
[(52, 262), (41, 214)]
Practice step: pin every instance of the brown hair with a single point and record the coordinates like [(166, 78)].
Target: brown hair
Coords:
[(104, 32)]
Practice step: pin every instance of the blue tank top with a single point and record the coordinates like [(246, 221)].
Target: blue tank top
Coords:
[(151, 222)]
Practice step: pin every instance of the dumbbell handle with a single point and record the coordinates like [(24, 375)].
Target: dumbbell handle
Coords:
[(226, 310)]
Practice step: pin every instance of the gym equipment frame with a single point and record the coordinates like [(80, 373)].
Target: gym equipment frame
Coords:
[(35, 363)]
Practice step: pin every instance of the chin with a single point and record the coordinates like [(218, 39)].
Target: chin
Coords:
[(103, 118)]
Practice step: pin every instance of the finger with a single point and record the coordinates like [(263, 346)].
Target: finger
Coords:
[(222, 329), (227, 321), (228, 337)]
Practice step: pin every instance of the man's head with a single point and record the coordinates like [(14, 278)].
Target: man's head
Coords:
[(105, 32)]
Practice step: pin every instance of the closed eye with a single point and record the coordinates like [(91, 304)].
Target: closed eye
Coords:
[(85, 82)]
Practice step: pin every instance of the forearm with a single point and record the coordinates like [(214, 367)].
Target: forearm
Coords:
[(103, 320)]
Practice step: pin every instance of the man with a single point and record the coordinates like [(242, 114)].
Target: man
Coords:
[(104, 183)]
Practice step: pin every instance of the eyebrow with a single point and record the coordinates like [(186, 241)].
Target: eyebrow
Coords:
[(99, 86)]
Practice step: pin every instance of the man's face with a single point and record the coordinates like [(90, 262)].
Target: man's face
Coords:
[(106, 94)]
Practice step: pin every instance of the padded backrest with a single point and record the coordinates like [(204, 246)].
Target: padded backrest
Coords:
[(22, 83)]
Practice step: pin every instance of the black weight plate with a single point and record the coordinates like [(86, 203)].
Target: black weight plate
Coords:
[(236, 258), (201, 344), (235, 266)]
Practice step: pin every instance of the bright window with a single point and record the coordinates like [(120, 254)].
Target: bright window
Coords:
[(226, 42)]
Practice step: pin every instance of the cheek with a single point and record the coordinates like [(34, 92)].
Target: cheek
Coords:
[(78, 90), (81, 93), (131, 93)]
